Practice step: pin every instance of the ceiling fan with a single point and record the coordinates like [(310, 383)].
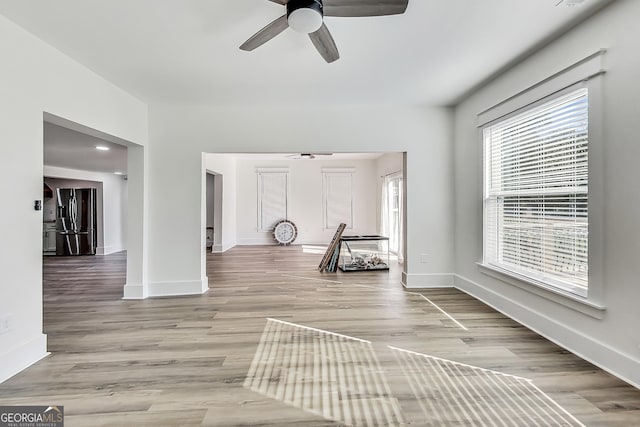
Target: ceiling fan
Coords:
[(306, 16), (308, 155)]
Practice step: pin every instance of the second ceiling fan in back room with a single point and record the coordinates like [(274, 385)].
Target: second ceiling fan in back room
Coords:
[(308, 156), (307, 16)]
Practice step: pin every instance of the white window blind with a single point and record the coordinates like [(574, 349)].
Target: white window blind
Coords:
[(272, 199), (338, 199), (536, 188)]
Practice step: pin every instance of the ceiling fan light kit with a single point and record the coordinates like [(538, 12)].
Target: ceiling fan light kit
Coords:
[(305, 16)]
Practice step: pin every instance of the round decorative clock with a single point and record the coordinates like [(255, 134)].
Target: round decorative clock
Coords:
[(285, 232)]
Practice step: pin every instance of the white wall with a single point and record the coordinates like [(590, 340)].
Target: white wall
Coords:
[(111, 206), (35, 78), (180, 134), (389, 163), (612, 342), (305, 202)]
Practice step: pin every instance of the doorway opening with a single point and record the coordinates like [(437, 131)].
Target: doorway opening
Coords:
[(85, 215), (315, 191), (213, 209)]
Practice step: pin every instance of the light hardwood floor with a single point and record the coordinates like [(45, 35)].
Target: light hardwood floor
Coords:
[(275, 342)]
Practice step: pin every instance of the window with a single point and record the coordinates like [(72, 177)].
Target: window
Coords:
[(273, 189), (536, 192), (391, 212), (338, 197)]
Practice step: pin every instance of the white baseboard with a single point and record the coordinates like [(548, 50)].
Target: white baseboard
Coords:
[(108, 250), (258, 241), (320, 247), (166, 289), (135, 291), (422, 281), (228, 245), (22, 356), (187, 287), (621, 365), (269, 241), (219, 248)]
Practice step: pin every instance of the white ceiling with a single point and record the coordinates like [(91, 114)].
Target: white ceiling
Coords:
[(67, 148), (187, 52)]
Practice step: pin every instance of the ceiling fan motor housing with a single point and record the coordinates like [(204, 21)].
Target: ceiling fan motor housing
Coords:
[(305, 16)]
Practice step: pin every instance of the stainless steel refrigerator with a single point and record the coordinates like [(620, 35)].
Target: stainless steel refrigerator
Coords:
[(76, 221)]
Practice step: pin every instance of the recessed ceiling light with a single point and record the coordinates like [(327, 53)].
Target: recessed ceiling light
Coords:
[(102, 148), (118, 173)]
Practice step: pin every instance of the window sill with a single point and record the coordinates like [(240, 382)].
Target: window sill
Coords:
[(564, 298)]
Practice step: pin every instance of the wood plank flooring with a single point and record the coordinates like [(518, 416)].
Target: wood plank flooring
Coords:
[(274, 342)]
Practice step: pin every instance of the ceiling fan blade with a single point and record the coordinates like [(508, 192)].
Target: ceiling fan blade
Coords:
[(266, 34), (282, 2), (352, 8), (323, 41)]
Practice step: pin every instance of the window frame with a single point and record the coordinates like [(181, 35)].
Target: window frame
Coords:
[(328, 173), (386, 228), (586, 73), (262, 173), (540, 278)]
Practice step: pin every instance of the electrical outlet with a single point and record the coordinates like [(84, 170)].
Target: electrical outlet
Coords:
[(424, 258), (5, 324)]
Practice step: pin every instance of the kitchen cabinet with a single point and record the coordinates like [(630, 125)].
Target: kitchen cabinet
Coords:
[(49, 238)]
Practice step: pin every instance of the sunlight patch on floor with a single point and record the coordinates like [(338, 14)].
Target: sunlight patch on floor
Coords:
[(331, 375), (456, 393)]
